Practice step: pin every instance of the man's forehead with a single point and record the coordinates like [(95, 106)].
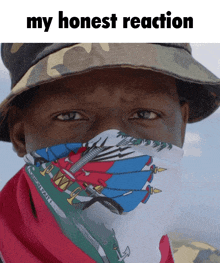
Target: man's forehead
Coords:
[(133, 82)]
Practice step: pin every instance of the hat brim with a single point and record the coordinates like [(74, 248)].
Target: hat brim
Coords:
[(79, 58)]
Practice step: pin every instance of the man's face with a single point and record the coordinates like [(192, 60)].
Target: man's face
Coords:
[(143, 104)]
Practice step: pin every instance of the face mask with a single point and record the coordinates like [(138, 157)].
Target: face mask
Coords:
[(114, 196)]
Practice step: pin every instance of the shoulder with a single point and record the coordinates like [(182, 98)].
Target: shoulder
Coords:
[(8, 194)]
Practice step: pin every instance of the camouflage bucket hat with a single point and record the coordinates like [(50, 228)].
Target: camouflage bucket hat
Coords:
[(31, 65)]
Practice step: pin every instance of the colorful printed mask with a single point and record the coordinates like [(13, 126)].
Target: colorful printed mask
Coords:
[(114, 196)]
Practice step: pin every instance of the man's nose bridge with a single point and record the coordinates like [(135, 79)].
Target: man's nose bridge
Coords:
[(110, 118)]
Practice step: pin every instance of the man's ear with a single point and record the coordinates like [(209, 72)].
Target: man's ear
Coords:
[(185, 117), (16, 130)]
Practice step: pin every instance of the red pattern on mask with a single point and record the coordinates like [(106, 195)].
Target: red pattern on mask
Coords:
[(91, 173)]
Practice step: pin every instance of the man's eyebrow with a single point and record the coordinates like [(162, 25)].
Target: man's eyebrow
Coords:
[(151, 96)]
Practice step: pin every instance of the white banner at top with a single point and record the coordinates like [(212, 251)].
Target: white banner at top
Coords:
[(109, 21)]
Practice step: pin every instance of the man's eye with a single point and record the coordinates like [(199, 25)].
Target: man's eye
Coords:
[(148, 115), (69, 116)]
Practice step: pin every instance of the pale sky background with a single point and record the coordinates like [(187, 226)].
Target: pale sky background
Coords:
[(201, 162)]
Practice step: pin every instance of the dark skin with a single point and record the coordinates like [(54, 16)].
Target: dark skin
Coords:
[(143, 104)]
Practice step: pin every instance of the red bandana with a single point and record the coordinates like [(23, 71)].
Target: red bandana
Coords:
[(29, 233)]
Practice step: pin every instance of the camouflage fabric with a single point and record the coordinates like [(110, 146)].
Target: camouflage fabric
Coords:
[(33, 64), (194, 252)]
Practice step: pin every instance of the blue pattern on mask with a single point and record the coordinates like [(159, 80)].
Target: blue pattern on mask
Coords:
[(58, 151)]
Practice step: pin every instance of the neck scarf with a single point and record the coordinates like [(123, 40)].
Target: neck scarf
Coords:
[(114, 196)]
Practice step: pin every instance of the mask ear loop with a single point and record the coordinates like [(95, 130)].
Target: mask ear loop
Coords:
[(107, 202)]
